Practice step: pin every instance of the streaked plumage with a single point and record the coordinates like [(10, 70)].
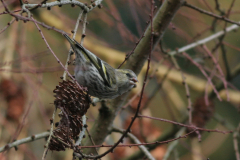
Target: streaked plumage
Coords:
[(102, 80)]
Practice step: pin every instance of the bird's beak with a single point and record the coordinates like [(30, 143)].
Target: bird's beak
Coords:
[(134, 80)]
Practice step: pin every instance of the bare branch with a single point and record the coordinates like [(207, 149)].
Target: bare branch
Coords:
[(25, 140), (70, 50), (211, 14), (203, 41), (135, 139), (50, 135), (184, 125)]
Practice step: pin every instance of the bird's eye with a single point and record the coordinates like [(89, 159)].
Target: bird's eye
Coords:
[(128, 75)]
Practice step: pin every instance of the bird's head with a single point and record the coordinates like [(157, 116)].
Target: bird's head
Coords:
[(126, 78)]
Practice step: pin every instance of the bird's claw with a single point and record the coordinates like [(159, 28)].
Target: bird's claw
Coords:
[(95, 100)]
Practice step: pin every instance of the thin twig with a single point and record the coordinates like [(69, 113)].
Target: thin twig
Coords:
[(82, 133), (131, 145), (80, 138), (203, 41), (219, 69), (189, 107), (70, 50), (137, 141), (220, 43), (210, 14), (90, 137), (19, 128), (129, 54), (11, 11), (50, 135), (207, 5), (206, 87), (84, 28), (8, 25), (204, 73), (59, 3), (184, 125), (155, 90), (235, 142), (217, 7), (25, 19), (173, 145), (25, 140), (44, 1)]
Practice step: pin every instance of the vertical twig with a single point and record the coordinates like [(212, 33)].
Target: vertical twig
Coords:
[(80, 137), (218, 68), (50, 135), (82, 133), (220, 43), (70, 51), (189, 107), (84, 28), (206, 87), (90, 137), (235, 142)]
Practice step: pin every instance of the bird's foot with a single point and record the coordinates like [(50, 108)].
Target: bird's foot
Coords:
[(95, 100)]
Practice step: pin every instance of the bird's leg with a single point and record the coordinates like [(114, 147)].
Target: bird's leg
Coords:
[(95, 100)]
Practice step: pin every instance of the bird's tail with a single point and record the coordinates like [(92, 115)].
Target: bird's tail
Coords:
[(70, 40), (77, 48), (89, 56), (73, 42)]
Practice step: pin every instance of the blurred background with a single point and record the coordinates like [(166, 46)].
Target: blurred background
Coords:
[(29, 73)]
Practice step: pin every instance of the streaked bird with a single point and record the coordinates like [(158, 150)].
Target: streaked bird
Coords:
[(102, 80)]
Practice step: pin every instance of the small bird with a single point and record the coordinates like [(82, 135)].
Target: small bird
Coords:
[(102, 80)]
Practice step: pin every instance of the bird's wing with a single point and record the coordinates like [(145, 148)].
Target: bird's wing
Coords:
[(111, 73), (97, 62)]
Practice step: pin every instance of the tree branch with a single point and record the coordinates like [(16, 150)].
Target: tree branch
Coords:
[(25, 140)]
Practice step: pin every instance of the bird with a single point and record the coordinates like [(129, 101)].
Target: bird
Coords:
[(102, 80)]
